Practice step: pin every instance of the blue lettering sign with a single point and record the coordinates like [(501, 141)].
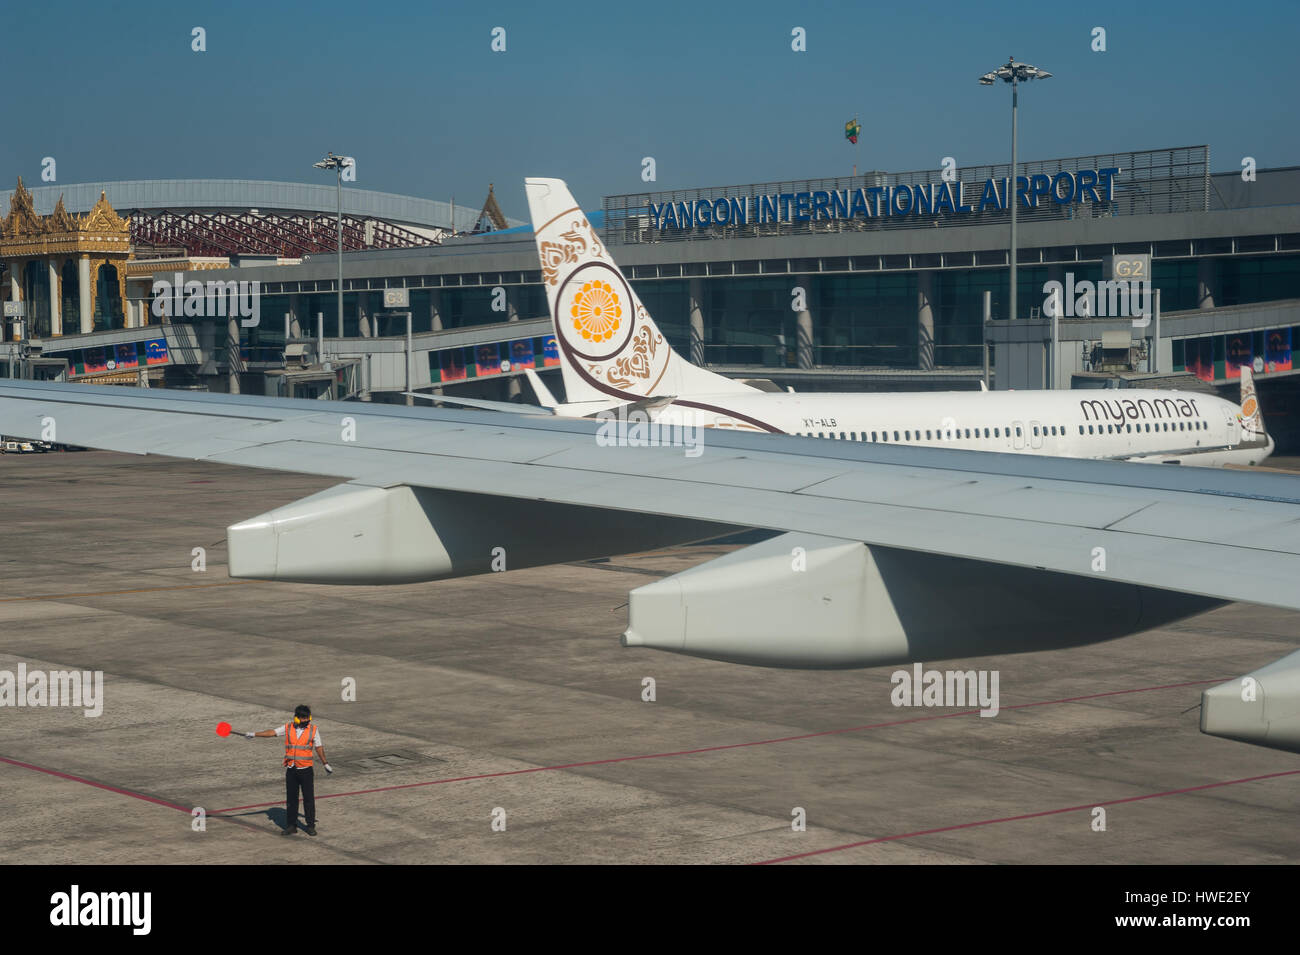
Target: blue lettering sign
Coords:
[(989, 196), (923, 198), (1107, 181), (1068, 179), (1087, 182), (943, 200), (859, 202), (917, 199)]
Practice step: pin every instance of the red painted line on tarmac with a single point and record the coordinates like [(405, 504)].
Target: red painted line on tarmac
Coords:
[(91, 782), (138, 590), (724, 746), (1028, 815)]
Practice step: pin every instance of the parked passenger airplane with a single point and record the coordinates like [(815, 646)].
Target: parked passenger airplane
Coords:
[(613, 356)]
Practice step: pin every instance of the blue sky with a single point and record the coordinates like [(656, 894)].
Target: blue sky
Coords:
[(584, 90)]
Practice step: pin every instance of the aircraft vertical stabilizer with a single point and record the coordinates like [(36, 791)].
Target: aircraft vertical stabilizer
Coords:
[(609, 345), (1252, 421)]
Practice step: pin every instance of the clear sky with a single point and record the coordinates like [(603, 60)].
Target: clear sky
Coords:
[(585, 90)]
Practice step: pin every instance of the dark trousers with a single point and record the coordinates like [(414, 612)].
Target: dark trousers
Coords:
[(295, 779)]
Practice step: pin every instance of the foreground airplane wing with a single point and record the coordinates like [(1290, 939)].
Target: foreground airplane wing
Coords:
[(1225, 535), (886, 554)]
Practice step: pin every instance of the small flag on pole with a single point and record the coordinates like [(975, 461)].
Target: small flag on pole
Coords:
[(852, 129)]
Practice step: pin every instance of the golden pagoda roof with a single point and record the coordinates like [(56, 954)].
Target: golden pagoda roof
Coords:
[(24, 233), (22, 222)]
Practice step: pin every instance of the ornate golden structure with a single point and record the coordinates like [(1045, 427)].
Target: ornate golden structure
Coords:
[(66, 249)]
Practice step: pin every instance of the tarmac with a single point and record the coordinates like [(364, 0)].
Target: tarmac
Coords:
[(497, 719)]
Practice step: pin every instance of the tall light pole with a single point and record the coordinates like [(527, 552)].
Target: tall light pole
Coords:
[(337, 163), (1013, 73)]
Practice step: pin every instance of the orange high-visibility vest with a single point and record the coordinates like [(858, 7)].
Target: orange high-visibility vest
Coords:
[(298, 746)]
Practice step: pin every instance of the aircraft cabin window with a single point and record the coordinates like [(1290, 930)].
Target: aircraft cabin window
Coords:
[(1080, 429), (907, 436), (986, 432), (997, 432), (1017, 431), (895, 435), (1035, 431), (873, 436), (927, 434)]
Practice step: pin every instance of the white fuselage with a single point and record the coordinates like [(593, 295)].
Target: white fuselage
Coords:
[(1129, 424)]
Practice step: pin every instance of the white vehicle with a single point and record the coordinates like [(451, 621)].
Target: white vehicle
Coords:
[(614, 358)]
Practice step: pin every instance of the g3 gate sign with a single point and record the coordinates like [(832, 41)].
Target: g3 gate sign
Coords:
[(931, 199)]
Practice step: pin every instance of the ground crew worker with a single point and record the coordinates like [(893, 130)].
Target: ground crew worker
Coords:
[(300, 738)]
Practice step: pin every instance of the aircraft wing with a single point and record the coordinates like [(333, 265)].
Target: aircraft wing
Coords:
[(1228, 535)]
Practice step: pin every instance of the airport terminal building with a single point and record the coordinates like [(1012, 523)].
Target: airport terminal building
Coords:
[(876, 281)]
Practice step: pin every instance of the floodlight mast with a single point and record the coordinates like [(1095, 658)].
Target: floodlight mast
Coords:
[(1013, 73), (337, 163)]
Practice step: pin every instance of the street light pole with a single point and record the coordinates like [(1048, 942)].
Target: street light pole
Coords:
[(1013, 73), (338, 186), (1015, 286), (337, 163)]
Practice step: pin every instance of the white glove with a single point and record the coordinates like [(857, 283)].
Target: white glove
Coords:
[(250, 735), (328, 768)]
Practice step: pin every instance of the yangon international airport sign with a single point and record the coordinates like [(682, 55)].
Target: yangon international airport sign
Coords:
[(932, 199)]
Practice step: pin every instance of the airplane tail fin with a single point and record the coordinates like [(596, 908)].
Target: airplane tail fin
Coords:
[(1252, 421), (609, 345)]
